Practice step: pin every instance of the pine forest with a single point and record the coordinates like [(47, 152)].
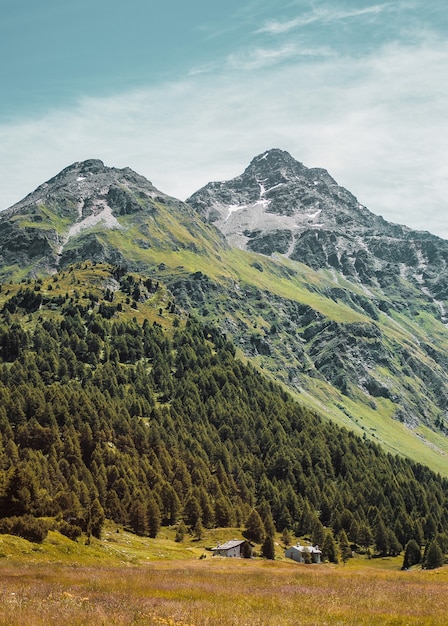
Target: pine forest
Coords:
[(115, 404)]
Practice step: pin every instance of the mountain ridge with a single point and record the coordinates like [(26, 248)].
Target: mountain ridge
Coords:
[(366, 347)]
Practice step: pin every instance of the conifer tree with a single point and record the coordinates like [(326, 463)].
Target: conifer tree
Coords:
[(171, 504), (268, 548), (223, 512), (329, 548), (254, 528), (412, 554), (364, 537), (286, 537), (96, 519), (268, 523), (192, 511), (181, 531), (394, 546), (198, 529), (137, 517), (153, 517), (344, 546), (434, 556), (381, 538), (318, 533)]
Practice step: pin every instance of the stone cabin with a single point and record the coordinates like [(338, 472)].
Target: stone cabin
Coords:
[(236, 548), (298, 553)]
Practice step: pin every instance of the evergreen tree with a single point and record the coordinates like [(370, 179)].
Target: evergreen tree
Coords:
[(254, 528), (318, 533), (192, 511), (268, 523), (412, 554), (382, 538), (137, 517), (153, 517), (181, 531), (442, 540), (329, 548), (364, 537), (286, 537), (223, 512), (434, 556), (395, 546), (114, 508), (268, 548), (198, 530), (96, 519), (344, 546)]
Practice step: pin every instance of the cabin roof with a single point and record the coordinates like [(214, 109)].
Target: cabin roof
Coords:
[(310, 549), (233, 543)]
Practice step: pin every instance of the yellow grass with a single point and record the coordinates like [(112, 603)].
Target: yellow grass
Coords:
[(218, 591), (124, 580)]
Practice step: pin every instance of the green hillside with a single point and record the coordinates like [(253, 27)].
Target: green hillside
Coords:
[(115, 404)]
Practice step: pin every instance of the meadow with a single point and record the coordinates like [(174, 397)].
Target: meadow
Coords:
[(126, 580)]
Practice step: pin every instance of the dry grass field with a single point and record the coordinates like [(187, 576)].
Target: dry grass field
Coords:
[(220, 591), (125, 580)]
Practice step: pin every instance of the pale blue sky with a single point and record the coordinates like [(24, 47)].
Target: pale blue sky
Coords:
[(188, 92)]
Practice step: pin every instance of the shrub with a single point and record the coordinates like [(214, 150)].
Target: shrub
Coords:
[(181, 531), (69, 530), (26, 526)]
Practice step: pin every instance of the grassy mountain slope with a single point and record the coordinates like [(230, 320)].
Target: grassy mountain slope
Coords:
[(113, 402), (384, 377), (369, 358)]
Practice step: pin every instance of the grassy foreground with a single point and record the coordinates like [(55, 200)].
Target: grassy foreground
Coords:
[(125, 580)]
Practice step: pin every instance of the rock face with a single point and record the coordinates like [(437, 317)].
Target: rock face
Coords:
[(278, 206)]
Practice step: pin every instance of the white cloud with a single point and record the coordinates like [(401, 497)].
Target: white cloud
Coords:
[(322, 14), (378, 124), (256, 58)]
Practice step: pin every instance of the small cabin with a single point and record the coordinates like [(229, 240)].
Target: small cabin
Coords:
[(236, 548), (300, 554)]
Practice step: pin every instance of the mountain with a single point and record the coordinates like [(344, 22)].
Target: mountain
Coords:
[(92, 211), (278, 206), (344, 309)]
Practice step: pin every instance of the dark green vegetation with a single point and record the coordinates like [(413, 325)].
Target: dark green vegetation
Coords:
[(112, 403)]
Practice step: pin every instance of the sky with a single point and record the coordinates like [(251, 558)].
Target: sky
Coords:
[(190, 92)]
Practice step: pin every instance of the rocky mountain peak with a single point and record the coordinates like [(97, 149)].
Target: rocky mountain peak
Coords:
[(279, 206), (274, 160), (84, 179), (338, 325), (92, 211), (276, 193)]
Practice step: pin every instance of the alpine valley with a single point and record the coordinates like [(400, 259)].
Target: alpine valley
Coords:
[(268, 345)]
